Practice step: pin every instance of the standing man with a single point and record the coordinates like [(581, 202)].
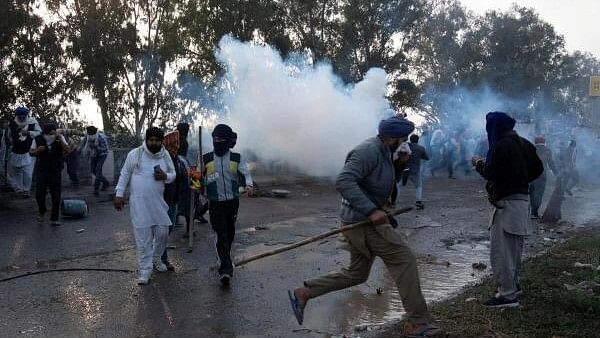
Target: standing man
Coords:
[(538, 187), (21, 132), (221, 175), (146, 170), (49, 148), (569, 167), (173, 190), (366, 184), (511, 164), (96, 145), (415, 174)]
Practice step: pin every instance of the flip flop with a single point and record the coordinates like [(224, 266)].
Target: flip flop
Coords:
[(296, 307), (425, 330)]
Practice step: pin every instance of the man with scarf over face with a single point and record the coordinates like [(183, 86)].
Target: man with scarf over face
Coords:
[(21, 132), (49, 148), (510, 166), (366, 184), (221, 175), (146, 171)]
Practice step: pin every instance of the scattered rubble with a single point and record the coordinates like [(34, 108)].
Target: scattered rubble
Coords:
[(479, 266)]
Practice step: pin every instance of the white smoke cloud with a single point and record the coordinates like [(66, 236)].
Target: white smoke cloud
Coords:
[(291, 111)]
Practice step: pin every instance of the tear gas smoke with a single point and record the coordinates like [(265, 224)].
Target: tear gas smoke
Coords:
[(294, 112)]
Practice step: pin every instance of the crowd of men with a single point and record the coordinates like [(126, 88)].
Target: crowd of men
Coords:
[(157, 177)]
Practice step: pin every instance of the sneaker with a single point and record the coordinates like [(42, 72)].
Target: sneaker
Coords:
[(160, 266), (225, 279), (41, 219), (420, 205), (501, 302), (201, 220), (143, 279), (55, 223), (535, 216)]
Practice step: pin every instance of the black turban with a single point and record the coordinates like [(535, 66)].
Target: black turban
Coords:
[(156, 132)]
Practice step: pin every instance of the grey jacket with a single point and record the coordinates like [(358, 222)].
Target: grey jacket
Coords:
[(367, 180), (366, 183)]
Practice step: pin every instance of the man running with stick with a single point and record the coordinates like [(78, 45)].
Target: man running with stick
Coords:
[(366, 184)]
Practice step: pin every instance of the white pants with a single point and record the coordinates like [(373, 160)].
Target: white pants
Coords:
[(150, 243), (19, 176)]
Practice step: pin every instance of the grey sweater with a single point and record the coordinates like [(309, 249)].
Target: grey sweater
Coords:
[(366, 181)]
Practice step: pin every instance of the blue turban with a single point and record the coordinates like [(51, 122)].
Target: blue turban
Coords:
[(497, 124), (395, 127), (21, 111)]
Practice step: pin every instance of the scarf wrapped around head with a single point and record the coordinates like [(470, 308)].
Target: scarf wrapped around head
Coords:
[(395, 127), (22, 111), (497, 123), (171, 142)]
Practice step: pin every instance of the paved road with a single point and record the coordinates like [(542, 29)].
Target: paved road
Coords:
[(189, 302)]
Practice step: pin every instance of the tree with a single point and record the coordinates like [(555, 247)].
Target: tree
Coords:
[(34, 67)]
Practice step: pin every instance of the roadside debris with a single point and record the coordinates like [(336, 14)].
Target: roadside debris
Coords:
[(479, 266), (581, 265), (79, 231)]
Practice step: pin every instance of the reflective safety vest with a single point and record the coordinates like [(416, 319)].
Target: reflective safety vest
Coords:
[(221, 176)]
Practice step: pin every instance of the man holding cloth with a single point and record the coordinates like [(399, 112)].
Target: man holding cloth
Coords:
[(366, 184), (146, 170), (21, 132), (222, 172), (510, 166)]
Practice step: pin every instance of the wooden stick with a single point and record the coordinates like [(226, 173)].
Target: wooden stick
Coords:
[(314, 238), (200, 166)]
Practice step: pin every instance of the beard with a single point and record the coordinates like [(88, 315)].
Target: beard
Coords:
[(154, 148)]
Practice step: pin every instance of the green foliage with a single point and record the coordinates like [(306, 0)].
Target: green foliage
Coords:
[(142, 59)]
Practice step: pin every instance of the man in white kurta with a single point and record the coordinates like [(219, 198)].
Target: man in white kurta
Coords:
[(146, 170), (21, 132)]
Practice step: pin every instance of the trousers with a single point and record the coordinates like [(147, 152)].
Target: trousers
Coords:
[(150, 244), (223, 216), (400, 262)]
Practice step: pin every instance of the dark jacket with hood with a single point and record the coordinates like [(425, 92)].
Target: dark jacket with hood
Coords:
[(511, 164)]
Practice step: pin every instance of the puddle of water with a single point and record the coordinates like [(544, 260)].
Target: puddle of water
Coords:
[(438, 281)]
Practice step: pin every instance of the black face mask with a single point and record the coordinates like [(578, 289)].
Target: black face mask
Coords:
[(221, 148), (154, 148)]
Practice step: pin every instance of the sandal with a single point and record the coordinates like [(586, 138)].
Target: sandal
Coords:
[(297, 307), (423, 330)]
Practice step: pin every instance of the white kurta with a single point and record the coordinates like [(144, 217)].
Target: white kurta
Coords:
[(148, 206)]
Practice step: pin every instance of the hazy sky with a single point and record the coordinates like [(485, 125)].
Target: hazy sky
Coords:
[(577, 20)]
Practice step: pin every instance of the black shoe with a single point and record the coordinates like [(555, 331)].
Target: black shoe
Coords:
[(420, 205), (201, 220), (569, 192), (535, 216), (501, 302), (225, 280), (170, 266), (96, 193)]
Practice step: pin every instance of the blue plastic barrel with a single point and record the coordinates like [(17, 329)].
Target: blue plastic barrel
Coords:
[(74, 208)]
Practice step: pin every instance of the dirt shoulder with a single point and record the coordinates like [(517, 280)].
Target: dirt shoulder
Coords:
[(561, 298)]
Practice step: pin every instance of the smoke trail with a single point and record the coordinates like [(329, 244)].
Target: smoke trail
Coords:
[(292, 111)]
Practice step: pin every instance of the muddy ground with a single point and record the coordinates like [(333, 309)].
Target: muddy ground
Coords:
[(448, 236)]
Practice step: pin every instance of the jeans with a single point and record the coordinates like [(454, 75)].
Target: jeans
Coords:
[(96, 163), (417, 180)]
